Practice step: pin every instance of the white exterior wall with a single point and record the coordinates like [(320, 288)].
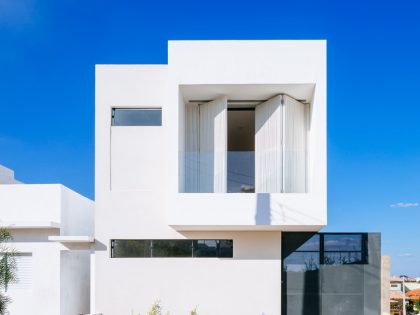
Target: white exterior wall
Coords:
[(30, 203), (137, 184), (60, 272), (74, 282)]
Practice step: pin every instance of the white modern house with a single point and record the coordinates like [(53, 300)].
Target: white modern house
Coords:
[(52, 227), (211, 185)]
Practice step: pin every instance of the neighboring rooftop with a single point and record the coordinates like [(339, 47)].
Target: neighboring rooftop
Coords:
[(407, 279), (7, 176)]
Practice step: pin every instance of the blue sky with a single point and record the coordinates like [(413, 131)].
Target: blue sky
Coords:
[(48, 50)]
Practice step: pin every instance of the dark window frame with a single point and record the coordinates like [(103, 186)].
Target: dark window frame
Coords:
[(363, 250), (114, 109), (219, 249)]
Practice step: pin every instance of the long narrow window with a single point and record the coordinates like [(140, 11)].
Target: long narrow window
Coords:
[(171, 248), (136, 117)]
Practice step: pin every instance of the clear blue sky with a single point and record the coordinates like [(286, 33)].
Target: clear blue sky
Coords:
[(48, 50)]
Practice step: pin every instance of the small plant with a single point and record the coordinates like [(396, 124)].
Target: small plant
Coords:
[(8, 268), (156, 309), (417, 305)]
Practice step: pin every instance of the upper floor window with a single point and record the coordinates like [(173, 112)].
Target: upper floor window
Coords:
[(136, 117)]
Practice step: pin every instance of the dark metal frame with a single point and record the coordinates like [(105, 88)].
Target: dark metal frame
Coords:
[(151, 248)]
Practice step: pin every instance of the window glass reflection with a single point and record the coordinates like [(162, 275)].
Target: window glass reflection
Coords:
[(205, 248), (171, 248), (342, 258), (130, 248), (344, 242), (301, 262), (226, 248), (136, 117), (310, 245)]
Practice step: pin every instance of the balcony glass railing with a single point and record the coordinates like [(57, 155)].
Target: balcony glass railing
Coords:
[(240, 171), (236, 172)]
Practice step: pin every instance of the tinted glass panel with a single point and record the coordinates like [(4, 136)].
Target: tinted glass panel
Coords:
[(342, 258), (136, 117), (225, 248), (301, 262), (205, 248), (310, 245), (130, 248), (172, 248), (344, 242)]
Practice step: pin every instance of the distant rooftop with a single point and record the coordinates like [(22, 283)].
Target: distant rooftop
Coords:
[(7, 176), (407, 279)]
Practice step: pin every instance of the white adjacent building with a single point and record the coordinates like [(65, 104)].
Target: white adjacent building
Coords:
[(52, 227), (201, 165)]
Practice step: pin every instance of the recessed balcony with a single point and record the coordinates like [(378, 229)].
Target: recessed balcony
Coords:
[(247, 157), (245, 146)]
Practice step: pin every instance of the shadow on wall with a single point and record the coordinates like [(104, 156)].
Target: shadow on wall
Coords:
[(263, 209), (100, 246)]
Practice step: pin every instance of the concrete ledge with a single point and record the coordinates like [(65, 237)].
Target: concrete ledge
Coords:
[(30, 225), (71, 239)]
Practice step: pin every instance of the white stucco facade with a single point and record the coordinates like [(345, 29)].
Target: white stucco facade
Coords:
[(53, 270), (139, 180)]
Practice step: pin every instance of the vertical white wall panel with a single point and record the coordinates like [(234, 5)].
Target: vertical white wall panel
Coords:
[(136, 158), (268, 146), (294, 146), (213, 146)]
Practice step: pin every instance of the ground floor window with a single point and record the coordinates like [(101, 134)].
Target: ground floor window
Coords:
[(171, 248)]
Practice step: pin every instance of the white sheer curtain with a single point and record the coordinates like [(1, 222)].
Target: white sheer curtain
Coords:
[(280, 146), (268, 146), (213, 146), (294, 146), (191, 154), (206, 146)]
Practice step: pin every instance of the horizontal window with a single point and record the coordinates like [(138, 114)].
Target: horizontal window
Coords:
[(136, 117), (171, 248)]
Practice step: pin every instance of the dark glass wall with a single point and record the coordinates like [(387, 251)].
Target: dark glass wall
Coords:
[(330, 273)]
